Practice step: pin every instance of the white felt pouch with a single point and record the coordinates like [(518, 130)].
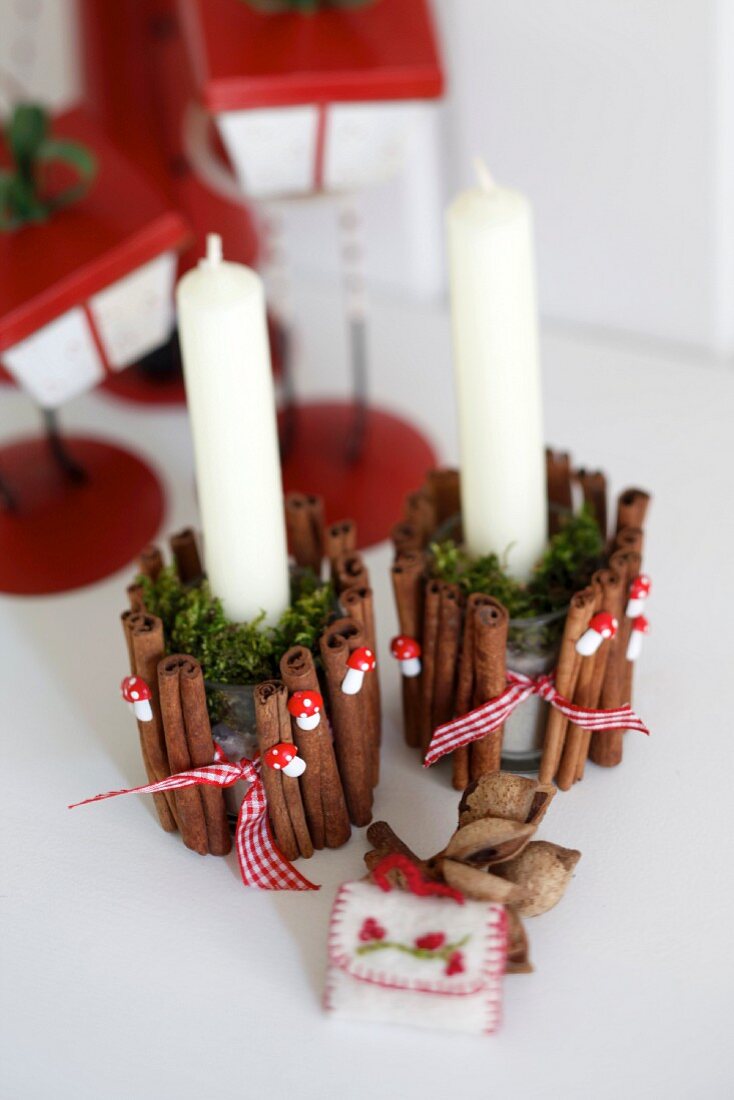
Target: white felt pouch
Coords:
[(402, 958)]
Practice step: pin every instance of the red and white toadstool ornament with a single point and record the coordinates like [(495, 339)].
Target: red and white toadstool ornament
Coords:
[(603, 625), (639, 591), (306, 707), (359, 662), (408, 652), (640, 627), (284, 758), (136, 692)]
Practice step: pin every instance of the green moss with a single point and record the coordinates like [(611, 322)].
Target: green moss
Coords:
[(566, 566), (235, 653)]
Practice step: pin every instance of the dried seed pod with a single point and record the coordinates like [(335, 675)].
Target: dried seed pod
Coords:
[(544, 871), (518, 957), (488, 841), (544, 795), (480, 885), (498, 794)]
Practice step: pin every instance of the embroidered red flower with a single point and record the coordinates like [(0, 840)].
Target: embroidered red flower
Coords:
[(455, 965), (371, 930), (431, 941)]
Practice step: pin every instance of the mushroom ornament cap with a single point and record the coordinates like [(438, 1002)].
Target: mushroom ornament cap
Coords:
[(404, 648), (640, 586), (604, 623), (280, 755), (135, 690), (305, 704), (642, 624), (362, 660)]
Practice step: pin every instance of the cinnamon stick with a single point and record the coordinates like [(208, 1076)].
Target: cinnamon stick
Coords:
[(323, 801), (339, 538), (186, 558), (632, 505), (586, 694), (443, 489), (285, 808), (607, 748), (357, 603), (431, 612), (201, 751), (464, 694), (594, 487), (135, 597), (161, 802), (490, 676), (448, 640), (304, 519), (419, 511), (348, 719), (582, 606), (629, 538), (558, 478), (407, 580), (147, 645), (189, 805), (349, 570), (150, 561), (613, 595), (406, 536)]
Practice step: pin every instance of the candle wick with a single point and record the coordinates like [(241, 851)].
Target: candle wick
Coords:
[(486, 180), (213, 249)]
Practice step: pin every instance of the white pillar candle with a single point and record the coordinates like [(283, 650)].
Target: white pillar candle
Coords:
[(495, 331), (229, 390)]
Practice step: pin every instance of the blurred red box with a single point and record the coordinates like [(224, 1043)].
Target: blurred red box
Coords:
[(311, 102), (90, 290)]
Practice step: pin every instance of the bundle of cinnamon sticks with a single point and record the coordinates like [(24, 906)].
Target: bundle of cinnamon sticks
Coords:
[(603, 679), (463, 641), (340, 750)]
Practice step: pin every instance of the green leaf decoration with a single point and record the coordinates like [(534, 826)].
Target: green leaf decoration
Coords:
[(22, 200)]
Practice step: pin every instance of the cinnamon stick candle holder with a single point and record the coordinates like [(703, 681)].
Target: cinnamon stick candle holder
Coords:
[(302, 695), (468, 658)]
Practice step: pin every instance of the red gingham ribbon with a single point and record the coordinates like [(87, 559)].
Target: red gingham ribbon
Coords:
[(262, 864), (490, 716)]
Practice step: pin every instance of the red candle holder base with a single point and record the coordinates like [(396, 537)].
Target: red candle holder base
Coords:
[(63, 534), (393, 458)]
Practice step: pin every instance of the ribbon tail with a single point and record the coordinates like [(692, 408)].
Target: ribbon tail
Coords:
[(213, 775), (262, 864)]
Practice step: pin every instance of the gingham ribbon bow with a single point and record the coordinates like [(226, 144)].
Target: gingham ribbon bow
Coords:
[(490, 716), (262, 864)]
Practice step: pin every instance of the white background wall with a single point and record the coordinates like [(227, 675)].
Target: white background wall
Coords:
[(615, 116)]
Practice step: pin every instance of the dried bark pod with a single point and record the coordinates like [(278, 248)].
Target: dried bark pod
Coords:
[(544, 795), (544, 871), (488, 841), (499, 794), (518, 956), (480, 885)]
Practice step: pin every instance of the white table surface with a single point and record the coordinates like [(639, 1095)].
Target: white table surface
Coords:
[(135, 969)]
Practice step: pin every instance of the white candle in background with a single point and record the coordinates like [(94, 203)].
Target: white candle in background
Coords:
[(229, 390), (495, 331)]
